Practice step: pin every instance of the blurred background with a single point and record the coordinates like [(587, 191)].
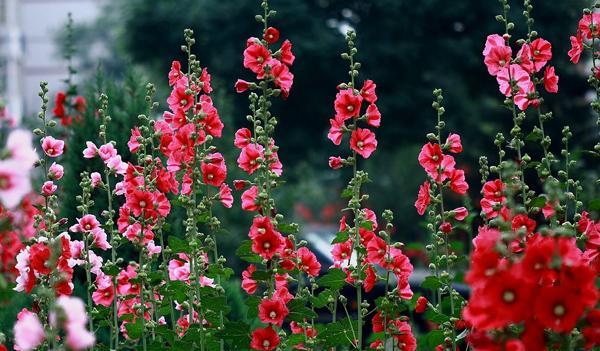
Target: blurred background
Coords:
[(407, 47)]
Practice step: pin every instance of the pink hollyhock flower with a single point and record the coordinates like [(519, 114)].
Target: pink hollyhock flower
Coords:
[(284, 79), (423, 198), (243, 137), (513, 76), (548, 210), (179, 269), (368, 91), (497, 59), (248, 159), (100, 239), (28, 331), (14, 183), (453, 143), (104, 293), (308, 262), (377, 251), (116, 165), (107, 151), (460, 213), (175, 73), (373, 116), (335, 162), (541, 52), (370, 216), (272, 311), (336, 130), (178, 99), (585, 25), (96, 262), (225, 195), (271, 35), (248, 284), (525, 98), (286, 55), (525, 59), (249, 199), (52, 147), (264, 339), (78, 338), (133, 142), (241, 85), (153, 249), (492, 41), (347, 104), (256, 57), (576, 48), (205, 80), (430, 158), (341, 251), (457, 182), (91, 150), (363, 142), (268, 244), (48, 188), (56, 171), (86, 223), (550, 80), (19, 145), (96, 179)]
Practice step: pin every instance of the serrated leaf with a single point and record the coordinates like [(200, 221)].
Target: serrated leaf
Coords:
[(244, 252), (178, 245), (431, 283), (335, 279), (299, 312), (341, 237), (238, 333), (134, 330)]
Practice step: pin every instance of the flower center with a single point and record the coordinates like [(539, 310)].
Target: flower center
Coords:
[(435, 157), (183, 102), (4, 182), (350, 108), (266, 245), (273, 315), (88, 227), (559, 310), (536, 52), (360, 144), (261, 230), (508, 296), (51, 151), (260, 59), (497, 194), (502, 62), (210, 176), (266, 343), (142, 204)]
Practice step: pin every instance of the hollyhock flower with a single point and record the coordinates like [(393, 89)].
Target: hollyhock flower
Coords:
[(558, 308), (225, 195), (241, 85), (377, 251), (588, 25), (404, 337), (116, 165), (28, 331), (248, 159), (213, 174), (272, 311), (260, 225), (283, 78), (497, 59), (256, 57), (178, 99), (373, 116), (341, 251), (494, 190), (453, 143), (430, 158), (48, 188), (492, 41), (308, 262), (96, 179), (107, 151), (104, 293), (134, 233), (179, 269), (368, 91), (548, 210), (78, 338), (576, 48), (91, 150), (286, 55), (153, 249), (363, 142), (268, 244), (541, 51), (523, 222), (80, 104), (124, 285), (100, 239), (86, 223), (271, 35), (460, 213), (525, 58), (370, 216), (336, 162), (347, 104), (264, 339), (248, 284), (14, 183), (175, 73), (421, 305), (133, 142), (370, 279), (56, 171), (205, 80), (550, 80), (19, 144), (52, 147), (26, 279), (336, 130), (457, 182), (514, 76), (249, 199), (525, 98)]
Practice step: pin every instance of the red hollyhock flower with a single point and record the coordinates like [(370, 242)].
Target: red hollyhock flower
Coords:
[(453, 143), (335, 162), (256, 57), (225, 195), (497, 59), (286, 55), (308, 262), (282, 75), (541, 52), (494, 190), (213, 174), (522, 221), (457, 182), (377, 250), (370, 279), (175, 73), (248, 284), (243, 137), (179, 100), (260, 225), (485, 258), (585, 25), (576, 48), (430, 158), (272, 311), (39, 254), (336, 130), (404, 336), (423, 198), (249, 199), (341, 251), (421, 304), (347, 104), (205, 80), (271, 35), (139, 202), (373, 116), (264, 339), (558, 308), (268, 245), (248, 159), (550, 80), (241, 85), (363, 142), (368, 91)]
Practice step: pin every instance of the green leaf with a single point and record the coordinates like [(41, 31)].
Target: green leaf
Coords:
[(335, 279), (594, 205), (178, 245), (431, 283), (261, 275), (299, 312), (341, 237), (338, 333), (436, 317), (244, 252), (368, 225), (252, 302), (238, 333), (535, 135), (539, 201), (321, 300), (291, 228), (134, 330)]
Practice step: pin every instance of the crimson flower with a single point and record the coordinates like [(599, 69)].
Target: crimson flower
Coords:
[(264, 339), (363, 142), (272, 311)]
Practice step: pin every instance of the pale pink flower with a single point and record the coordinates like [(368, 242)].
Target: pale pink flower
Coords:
[(107, 151), (49, 188), (117, 165), (91, 150), (96, 179), (53, 147), (56, 171), (179, 269), (19, 145), (153, 249), (100, 239), (14, 183), (29, 332)]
